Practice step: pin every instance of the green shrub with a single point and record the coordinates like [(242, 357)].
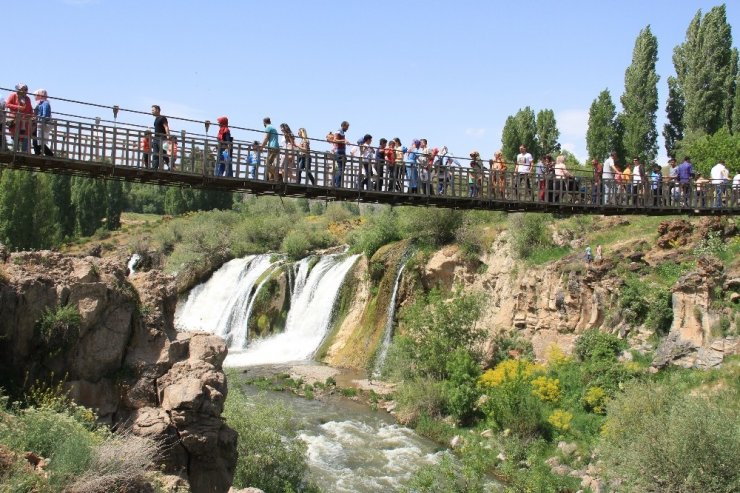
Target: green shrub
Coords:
[(594, 344), (60, 328), (437, 328), (528, 232), (648, 304), (417, 398), (429, 225), (378, 230), (506, 344), (510, 403), (271, 456), (658, 439), (461, 388), (447, 476)]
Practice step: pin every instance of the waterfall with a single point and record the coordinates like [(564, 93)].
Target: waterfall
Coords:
[(390, 317), (219, 305), (133, 262), (309, 319)]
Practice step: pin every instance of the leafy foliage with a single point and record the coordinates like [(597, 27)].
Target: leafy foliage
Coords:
[(461, 392), (271, 456), (529, 232), (656, 437), (640, 99), (437, 329)]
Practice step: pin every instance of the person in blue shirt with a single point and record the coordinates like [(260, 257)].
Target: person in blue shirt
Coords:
[(685, 172), (42, 111), (273, 149), (254, 159), (656, 185)]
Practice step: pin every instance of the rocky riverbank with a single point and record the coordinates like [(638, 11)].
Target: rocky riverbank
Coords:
[(112, 341)]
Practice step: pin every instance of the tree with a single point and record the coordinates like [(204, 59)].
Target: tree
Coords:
[(547, 132), (89, 199), (27, 215), (601, 133), (707, 150), (706, 68), (736, 108), (61, 193), (520, 129), (674, 108), (640, 99), (17, 192), (114, 205)]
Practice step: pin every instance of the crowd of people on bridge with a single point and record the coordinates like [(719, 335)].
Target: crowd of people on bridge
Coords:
[(416, 168)]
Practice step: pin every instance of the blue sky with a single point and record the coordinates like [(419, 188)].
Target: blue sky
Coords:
[(450, 71)]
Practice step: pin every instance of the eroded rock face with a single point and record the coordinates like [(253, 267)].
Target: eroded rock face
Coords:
[(124, 360)]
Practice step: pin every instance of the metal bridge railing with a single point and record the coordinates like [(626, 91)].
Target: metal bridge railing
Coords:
[(238, 164)]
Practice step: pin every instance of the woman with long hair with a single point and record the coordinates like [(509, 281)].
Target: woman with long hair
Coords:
[(289, 157), (304, 156)]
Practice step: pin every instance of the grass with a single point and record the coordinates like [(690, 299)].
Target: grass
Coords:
[(545, 254)]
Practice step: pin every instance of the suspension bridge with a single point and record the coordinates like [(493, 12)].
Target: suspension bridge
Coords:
[(95, 148)]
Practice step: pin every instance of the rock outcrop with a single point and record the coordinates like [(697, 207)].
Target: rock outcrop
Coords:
[(121, 356)]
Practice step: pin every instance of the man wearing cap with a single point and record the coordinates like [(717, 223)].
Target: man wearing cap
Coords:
[(720, 175)]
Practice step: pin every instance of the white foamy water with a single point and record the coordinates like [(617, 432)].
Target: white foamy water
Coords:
[(364, 456), (220, 304), (309, 318)]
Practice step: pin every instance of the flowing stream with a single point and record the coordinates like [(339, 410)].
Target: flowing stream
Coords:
[(352, 449)]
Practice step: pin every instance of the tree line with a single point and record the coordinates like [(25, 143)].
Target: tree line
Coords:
[(39, 211), (702, 109)]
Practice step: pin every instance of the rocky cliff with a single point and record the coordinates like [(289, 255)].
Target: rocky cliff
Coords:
[(112, 341), (555, 302)]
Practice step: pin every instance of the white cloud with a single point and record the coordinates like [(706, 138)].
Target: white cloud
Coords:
[(475, 132), (573, 123)]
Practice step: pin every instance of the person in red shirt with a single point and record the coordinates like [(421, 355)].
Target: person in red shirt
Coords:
[(390, 161), (20, 115)]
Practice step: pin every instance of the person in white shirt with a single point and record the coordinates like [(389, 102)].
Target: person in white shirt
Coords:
[(736, 188), (523, 170), (561, 174), (720, 175), (637, 182), (607, 177)]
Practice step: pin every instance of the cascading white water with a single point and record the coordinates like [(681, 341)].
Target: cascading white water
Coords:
[(133, 262), (219, 305), (309, 318), (388, 331)]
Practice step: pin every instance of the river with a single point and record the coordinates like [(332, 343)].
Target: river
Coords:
[(353, 449)]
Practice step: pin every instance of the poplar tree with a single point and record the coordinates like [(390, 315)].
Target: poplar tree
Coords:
[(520, 129), (89, 199), (547, 132), (27, 216), (706, 68), (114, 204), (674, 108), (61, 192), (601, 133), (640, 99)]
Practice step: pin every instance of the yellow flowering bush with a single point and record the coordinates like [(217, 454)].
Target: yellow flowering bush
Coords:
[(560, 419), (595, 399), (510, 369), (555, 356), (546, 389)]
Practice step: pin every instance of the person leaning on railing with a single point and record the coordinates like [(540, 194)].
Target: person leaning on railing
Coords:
[(20, 114)]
